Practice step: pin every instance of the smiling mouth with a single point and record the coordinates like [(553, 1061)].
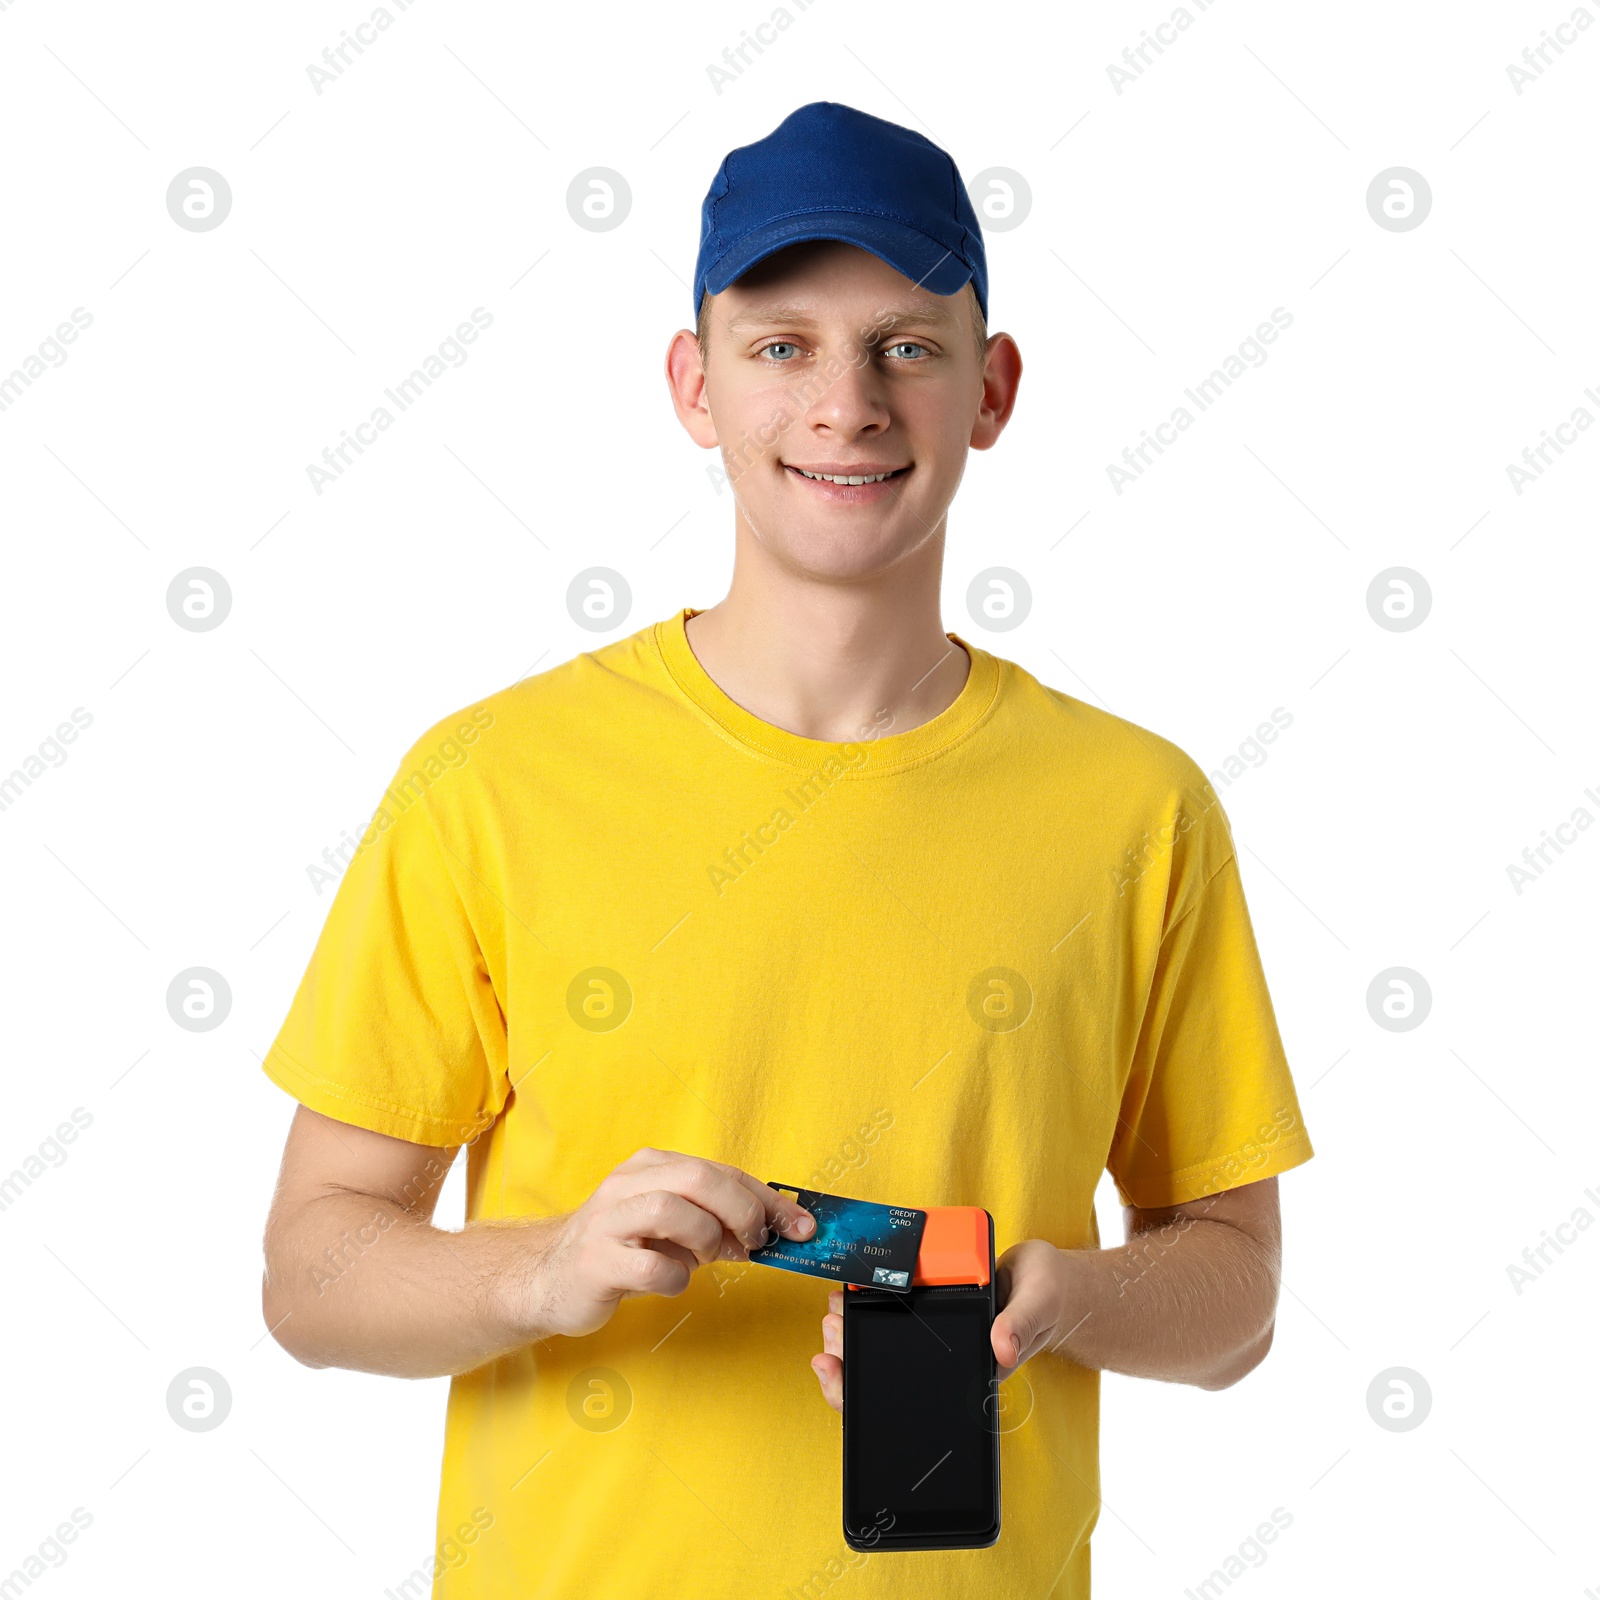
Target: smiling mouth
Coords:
[(847, 478)]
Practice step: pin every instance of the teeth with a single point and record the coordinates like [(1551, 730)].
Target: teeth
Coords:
[(840, 477)]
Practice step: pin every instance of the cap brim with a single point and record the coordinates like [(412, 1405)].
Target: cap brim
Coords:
[(910, 252)]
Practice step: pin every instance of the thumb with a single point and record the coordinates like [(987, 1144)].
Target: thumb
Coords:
[(1018, 1327), (1032, 1292), (1010, 1336)]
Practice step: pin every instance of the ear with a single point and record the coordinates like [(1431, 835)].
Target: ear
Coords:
[(686, 379), (1002, 373)]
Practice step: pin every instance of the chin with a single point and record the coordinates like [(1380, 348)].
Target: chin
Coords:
[(839, 545), (837, 562)]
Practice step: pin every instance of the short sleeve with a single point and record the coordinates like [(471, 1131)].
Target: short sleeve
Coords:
[(1209, 1103), (396, 1025)]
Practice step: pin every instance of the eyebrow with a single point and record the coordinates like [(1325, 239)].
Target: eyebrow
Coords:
[(884, 322)]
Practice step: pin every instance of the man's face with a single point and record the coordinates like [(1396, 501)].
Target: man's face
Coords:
[(823, 362)]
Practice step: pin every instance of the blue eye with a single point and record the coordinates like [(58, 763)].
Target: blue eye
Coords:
[(905, 345), (779, 345)]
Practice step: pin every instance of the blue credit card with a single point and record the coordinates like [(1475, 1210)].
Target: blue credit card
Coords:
[(857, 1241)]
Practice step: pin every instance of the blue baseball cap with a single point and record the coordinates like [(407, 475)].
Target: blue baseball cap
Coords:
[(828, 171)]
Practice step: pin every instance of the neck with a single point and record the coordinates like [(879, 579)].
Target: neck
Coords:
[(830, 659)]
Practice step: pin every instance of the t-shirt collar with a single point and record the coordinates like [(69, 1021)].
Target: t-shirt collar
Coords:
[(868, 756)]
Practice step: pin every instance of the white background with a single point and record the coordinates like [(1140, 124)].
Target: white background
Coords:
[(1167, 221)]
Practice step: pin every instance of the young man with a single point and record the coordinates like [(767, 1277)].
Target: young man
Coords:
[(798, 887)]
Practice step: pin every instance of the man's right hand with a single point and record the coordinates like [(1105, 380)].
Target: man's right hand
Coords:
[(358, 1276), (654, 1219)]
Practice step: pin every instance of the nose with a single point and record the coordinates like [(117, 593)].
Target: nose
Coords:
[(853, 405)]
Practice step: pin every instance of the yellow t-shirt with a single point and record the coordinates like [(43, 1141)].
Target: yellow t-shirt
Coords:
[(976, 962)]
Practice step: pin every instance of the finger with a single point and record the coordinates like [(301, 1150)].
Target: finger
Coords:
[(676, 1251), (830, 1376), (833, 1336), (647, 1156), (734, 1248), (782, 1215), (748, 1209), (836, 1302), (663, 1214), (634, 1270), (1021, 1329), (1004, 1341), (1002, 1283), (1034, 1278)]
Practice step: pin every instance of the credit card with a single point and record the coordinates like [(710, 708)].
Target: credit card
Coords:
[(857, 1241)]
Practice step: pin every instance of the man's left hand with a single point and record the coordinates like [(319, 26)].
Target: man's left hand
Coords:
[(1031, 1289)]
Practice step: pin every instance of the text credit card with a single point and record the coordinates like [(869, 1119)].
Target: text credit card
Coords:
[(857, 1241)]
